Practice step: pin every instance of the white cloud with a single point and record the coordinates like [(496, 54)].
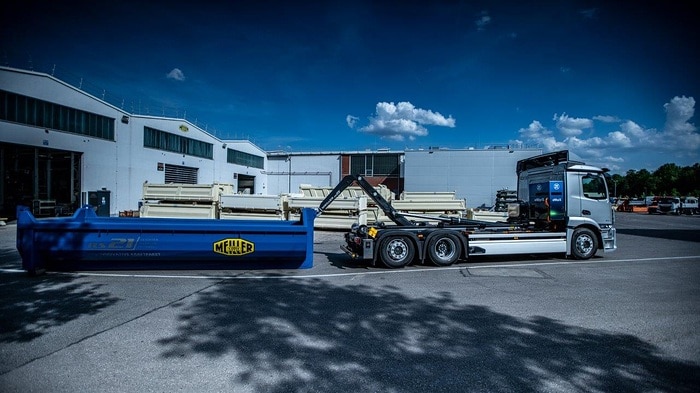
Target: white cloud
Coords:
[(483, 20), (606, 118), (176, 74), (589, 13), (678, 139), (534, 131), (351, 120), (678, 112), (618, 138), (570, 126), (537, 132), (633, 129), (399, 121)]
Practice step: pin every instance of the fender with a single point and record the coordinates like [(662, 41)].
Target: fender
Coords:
[(582, 222)]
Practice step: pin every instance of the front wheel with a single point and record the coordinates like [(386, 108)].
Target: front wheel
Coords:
[(397, 251), (584, 244)]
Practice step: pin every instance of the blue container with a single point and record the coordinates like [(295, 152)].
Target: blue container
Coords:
[(88, 242)]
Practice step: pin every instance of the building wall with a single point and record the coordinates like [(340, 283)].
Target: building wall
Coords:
[(474, 175), (137, 164), (286, 172)]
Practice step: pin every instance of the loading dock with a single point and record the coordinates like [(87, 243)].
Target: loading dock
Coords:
[(48, 180)]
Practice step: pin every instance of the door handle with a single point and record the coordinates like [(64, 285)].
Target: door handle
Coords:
[(586, 212)]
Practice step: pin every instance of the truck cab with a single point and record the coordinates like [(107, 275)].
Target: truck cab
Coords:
[(566, 195), (670, 205), (689, 205)]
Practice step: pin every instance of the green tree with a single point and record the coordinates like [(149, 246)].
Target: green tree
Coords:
[(640, 183), (689, 180), (666, 179)]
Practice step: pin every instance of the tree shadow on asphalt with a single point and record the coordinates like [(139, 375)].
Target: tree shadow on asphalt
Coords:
[(298, 336), (30, 306), (9, 259)]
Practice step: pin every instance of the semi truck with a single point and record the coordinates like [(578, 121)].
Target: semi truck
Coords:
[(563, 207)]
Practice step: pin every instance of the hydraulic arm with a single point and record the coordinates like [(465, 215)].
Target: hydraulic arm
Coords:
[(382, 203)]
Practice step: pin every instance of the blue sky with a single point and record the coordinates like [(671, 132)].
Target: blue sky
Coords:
[(614, 83)]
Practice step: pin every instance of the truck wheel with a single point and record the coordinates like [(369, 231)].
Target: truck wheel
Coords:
[(444, 250), (397, 251), (584, 244)]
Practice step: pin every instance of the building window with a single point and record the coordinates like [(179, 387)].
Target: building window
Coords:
[(374, 164), (245, 159), (34, 112), (162, 140)]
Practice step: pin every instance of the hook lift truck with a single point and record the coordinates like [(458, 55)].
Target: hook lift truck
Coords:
[(563, 207)]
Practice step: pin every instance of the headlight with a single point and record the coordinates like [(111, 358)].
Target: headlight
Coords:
[(362, 230)]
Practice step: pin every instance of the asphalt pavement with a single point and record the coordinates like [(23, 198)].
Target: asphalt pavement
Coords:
[(622, 321)]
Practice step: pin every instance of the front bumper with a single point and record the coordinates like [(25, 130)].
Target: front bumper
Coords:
[(609, 239)]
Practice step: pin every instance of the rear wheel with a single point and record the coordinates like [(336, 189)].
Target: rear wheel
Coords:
[(584, 244), (444, 250), (397, 251)]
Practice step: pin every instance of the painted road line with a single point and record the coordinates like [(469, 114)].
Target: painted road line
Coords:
[(243, 276)]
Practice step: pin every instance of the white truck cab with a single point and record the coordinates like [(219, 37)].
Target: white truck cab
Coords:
[(669, 205), (568, 196)]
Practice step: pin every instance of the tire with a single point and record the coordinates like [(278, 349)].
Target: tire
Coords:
[(397, 251), (444, 249), (584, 244)]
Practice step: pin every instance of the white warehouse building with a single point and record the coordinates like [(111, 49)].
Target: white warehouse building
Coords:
[(474, 175), (60, 144), (61, 147)]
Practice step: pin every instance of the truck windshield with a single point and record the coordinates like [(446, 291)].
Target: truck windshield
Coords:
[(594, 187)]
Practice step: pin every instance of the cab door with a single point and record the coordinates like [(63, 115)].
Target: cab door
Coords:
[(594, 198)]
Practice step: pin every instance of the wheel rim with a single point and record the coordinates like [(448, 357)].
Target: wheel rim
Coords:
[(584, 244), (397, 250), (445, 249)]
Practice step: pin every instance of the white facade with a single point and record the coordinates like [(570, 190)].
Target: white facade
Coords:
[(286, 172), (474, 175), (122, 165)]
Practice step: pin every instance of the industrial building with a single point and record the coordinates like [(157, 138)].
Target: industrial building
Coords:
[(61, 147), (472, 174)]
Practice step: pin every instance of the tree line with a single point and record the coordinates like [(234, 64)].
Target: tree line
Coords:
[(668, 180)]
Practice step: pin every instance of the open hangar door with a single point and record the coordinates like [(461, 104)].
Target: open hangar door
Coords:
[(46, 180), (245, 183)]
